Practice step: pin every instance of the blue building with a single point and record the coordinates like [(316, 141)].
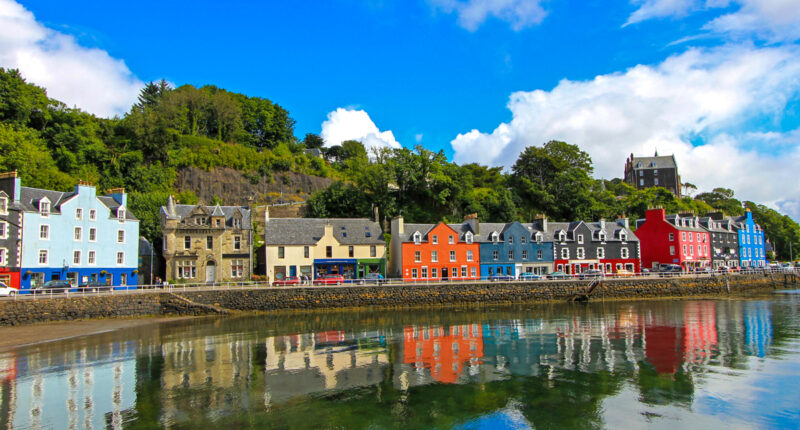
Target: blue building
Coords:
[(752, 252), (78, 236), (513, 249)]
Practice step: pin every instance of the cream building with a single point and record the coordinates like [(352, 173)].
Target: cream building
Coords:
[(311, 247), (206, 243)]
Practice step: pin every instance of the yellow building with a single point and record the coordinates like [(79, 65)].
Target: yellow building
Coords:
[(310, 247)]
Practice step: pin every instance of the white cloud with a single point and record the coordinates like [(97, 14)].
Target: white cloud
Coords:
[(472, 13), (348, 124), (78, 76), (775, 20), (711, 94)]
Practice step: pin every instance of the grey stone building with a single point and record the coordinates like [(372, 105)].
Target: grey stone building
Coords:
[(655, 171), (724, 240)]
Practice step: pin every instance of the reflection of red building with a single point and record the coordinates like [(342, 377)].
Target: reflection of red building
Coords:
[(700, 330), (664, 348), (443, 350)]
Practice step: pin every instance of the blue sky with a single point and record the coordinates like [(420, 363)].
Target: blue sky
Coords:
[(713, 81)]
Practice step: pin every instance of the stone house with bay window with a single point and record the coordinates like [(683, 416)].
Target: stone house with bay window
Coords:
[(206, 244)]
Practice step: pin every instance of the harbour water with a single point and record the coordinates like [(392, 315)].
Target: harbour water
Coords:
[(727, 363)]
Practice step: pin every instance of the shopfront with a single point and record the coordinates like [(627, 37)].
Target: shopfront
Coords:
[(367, 266), (332, 266)]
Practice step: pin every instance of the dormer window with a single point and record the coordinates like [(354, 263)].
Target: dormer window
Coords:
[(4, 205), (468, 237), (435, 239), (417, 238), (623, 236), (602, 236), (580, 238), (237, 223), (562, 236), (539, 238), (44, 207), (653, 164), (121, 214), (639, 165), (495, 237)]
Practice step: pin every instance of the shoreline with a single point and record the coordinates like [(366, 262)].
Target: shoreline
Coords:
[(33, 334)]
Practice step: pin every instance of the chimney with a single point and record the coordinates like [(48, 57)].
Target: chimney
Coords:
[(716, 215), (11, 184), (171, 207), (266, 213), (602, 223), (542, 218), (472, 220), (397, 226), (117, 194), (375, 214), (656, 214), (328, 228), (623, 221)]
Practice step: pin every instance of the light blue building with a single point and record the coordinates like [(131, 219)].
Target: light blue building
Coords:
[(78, 236), (513, 249), (752, 252)]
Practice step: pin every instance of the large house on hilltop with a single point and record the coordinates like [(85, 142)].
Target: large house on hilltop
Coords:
[(206, 243), (655, 171), (311, 247)]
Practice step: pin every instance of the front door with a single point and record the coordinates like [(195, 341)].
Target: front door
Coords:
[(445, 273), (211, 272)]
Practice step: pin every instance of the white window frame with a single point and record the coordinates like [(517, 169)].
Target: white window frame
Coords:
[(44, 207), (452, 256), (77, 234), (495, 255), (3, 230), (580, 253), (435, 256), (468, 237), (120, 256), (92, 214), (121, 214), (417, 238), (601, 253), (45, 254), (44, 231), (624, 253), (79, 214), (418, 256), (565, 253), (122, 232), (524, 254), (414, 273), (3, 257), (495, 237), (91, 258), (580, 238), (539, 238), (470, 257), (76, 255), (3, 205), (93, 237)]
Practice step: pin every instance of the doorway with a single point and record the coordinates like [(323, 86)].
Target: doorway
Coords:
[(211, 271)]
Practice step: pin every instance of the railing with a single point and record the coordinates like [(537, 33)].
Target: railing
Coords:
[(389, 282)]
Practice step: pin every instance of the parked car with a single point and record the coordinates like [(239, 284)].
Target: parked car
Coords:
[(6, 291), (501, 277), (592, 274), (703, 270), (645, 272), (288, 280), (529, 276), (329, 280), (724, 269), (624, 273), (371, 278), (94, 286), (558, 275), (670, 270), (53, 287)]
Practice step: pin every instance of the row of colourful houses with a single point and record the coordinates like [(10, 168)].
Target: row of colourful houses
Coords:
[(76, 236)]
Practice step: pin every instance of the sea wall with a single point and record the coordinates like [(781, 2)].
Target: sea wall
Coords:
[(26, 311)]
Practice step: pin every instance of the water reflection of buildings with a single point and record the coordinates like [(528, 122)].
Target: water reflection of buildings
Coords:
[(86, 388), (440, 353), (758, 327)]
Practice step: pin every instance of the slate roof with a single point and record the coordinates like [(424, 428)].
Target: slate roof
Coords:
[(30, 198), (662, 162), (308, 231), (718, 225), (612, 230), (672, 219), (181, 212)]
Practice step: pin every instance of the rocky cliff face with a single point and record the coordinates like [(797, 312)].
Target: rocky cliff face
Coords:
[(235, 189)]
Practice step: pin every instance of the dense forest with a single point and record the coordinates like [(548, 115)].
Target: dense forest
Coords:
[(167, 129)]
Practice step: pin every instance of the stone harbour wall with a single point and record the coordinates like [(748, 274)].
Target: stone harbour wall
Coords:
[(210, 302)]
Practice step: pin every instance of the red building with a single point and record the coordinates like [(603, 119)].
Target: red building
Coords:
[(421, 252), (443, 350), (673, 239)]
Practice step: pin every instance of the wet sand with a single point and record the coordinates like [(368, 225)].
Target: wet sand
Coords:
[(13, 337)]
